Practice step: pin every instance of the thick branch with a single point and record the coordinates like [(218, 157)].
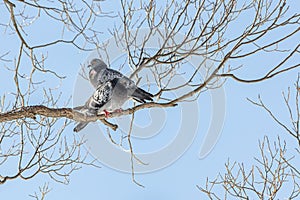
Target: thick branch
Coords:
[(32, 111)]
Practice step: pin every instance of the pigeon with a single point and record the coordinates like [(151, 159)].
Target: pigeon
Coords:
[(100, 73), (108, 97), (113, 89)]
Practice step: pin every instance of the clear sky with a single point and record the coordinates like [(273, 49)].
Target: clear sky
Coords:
[(243, 126)]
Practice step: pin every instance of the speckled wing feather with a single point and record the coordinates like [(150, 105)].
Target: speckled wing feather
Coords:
[(100, 97), (96, 103)]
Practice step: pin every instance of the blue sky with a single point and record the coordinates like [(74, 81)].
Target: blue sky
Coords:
[(244, 125)]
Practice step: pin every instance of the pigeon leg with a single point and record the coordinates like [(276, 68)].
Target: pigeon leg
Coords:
[(106, 113)]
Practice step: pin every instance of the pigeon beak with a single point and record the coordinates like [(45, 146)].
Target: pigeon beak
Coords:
[(89, 66)]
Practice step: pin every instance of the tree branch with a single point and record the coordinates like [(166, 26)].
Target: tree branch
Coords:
[(32, 111)]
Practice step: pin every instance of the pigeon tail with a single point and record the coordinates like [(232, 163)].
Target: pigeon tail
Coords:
[(141, 95), (80, 126)]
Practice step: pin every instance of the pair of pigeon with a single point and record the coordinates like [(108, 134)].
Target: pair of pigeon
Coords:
[(113, 89)]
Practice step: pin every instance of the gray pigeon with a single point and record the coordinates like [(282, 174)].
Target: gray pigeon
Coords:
[(99, 74), (108, 97)]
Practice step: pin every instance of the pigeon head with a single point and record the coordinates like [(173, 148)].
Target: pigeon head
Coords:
[(97, 65)]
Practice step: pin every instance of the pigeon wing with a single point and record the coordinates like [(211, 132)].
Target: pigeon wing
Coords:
[(100, 97), (109, 75), (135, 92), (95, 103)]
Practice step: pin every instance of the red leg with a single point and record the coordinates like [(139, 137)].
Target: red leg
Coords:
[(106, 113)]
